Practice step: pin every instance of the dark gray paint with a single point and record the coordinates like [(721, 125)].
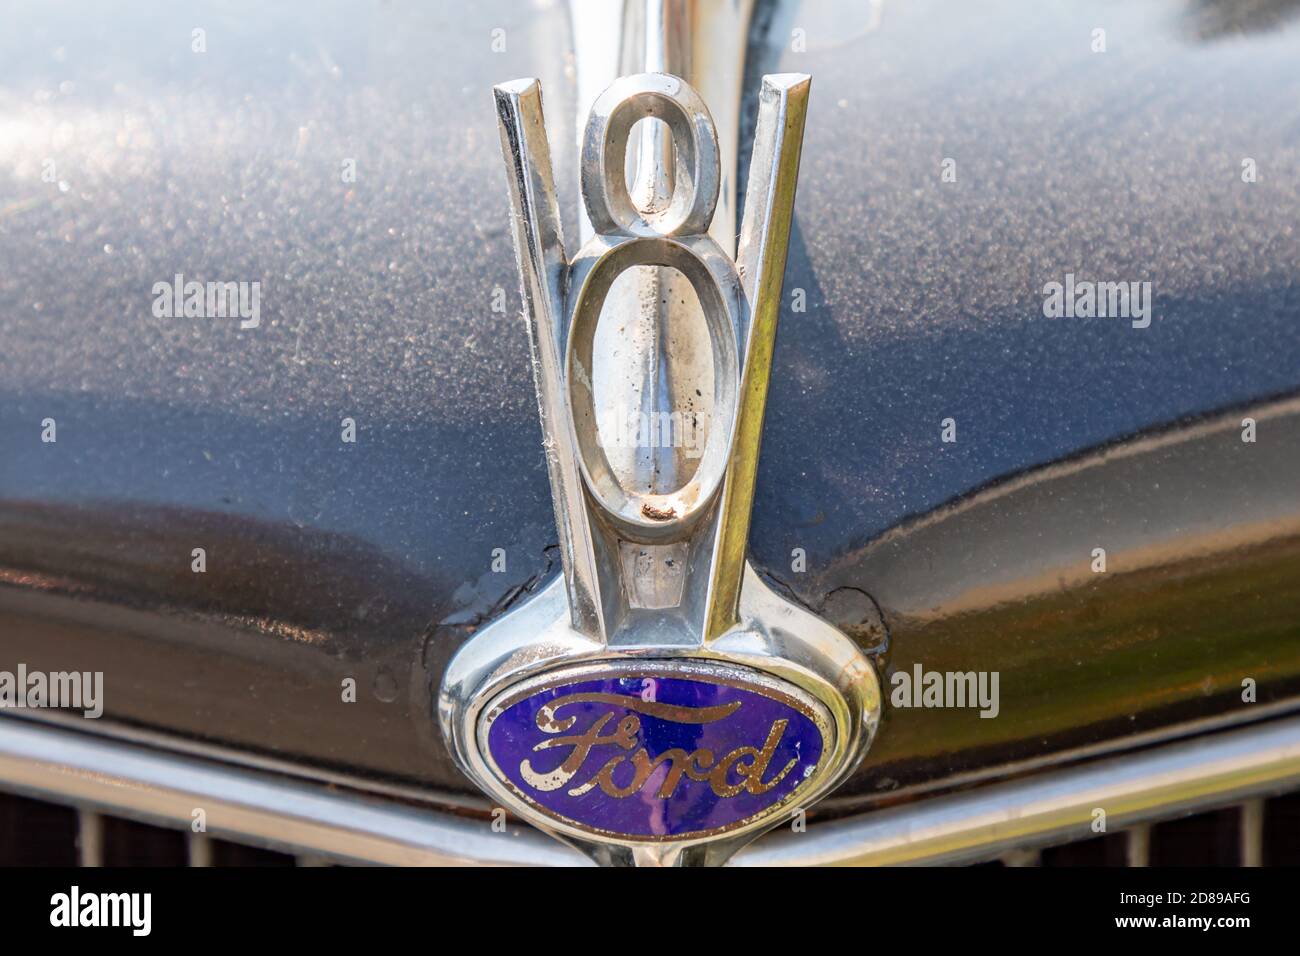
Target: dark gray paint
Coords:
[(371, 561)]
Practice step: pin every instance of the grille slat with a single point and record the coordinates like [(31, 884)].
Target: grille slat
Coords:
[(199, 849), (1138, 848), (1252, 833), (1030, 857), (90, 838)]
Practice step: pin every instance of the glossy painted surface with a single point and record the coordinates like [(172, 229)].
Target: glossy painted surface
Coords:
[(372, 561), (1201, 534)]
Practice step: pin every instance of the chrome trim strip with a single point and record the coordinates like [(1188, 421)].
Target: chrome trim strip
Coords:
[(1056, 807), (290, 814), (254, 807), (543, 270)]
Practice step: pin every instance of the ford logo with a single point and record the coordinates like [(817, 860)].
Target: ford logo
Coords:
[(654, 755)]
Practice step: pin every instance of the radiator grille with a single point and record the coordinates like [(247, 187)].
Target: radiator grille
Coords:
[(41, 833), (1252, 833)]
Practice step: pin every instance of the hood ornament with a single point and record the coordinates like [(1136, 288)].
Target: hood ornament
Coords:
[(658, 703)]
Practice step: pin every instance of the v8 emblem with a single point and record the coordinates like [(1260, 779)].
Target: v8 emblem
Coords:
[(758, 706)]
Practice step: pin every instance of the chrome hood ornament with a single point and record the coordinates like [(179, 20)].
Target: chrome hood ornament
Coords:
[(658, 703)]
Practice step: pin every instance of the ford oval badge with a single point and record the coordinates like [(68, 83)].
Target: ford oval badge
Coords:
[(651, 755)]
